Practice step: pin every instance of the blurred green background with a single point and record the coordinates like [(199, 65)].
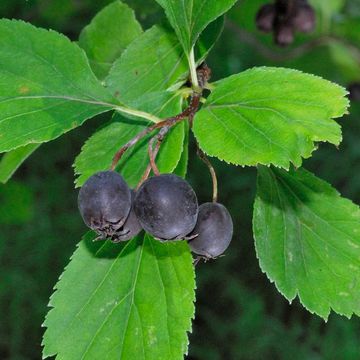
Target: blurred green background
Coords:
[(239, 314)]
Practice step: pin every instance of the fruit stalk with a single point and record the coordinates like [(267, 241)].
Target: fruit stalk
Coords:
[(207, 162), (203, 74), (153, 152), (169, 122)]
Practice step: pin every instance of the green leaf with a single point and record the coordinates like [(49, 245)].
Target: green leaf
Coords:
[(11, 161), (149, 66), (208, 39), (190, 17), (107, 36), (270, 116), (98, 151), (46, 86), (308, 240), (132, 300), (152, 62)]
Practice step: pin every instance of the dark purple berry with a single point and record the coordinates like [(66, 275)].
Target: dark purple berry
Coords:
[(131, 227), (166, 206), (265, 18), (284, 34), (354, 91), (213, 231), (104, 202), (304, 19)]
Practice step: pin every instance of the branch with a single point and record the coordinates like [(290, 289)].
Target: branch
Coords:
[(169, 122), (159, 138)]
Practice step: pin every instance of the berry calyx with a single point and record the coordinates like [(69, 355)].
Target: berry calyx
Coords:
[(213, 231), (104, 203), (131, 227), (166, 206)]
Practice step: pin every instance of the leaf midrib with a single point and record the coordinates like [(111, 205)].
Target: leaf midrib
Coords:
[(131, 292)]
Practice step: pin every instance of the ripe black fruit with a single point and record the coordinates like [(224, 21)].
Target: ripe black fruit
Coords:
[(166, 206), (284, 34), (285, 18), (304, 19), (131, 226), (104, 202), (265, 17), (214, 230)]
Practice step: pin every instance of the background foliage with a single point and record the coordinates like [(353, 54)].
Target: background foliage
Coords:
[(240, 315)]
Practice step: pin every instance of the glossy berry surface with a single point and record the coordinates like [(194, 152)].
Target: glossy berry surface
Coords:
[(131, 227), (265, 18), (104, 202), (213, 231), (166, 206)]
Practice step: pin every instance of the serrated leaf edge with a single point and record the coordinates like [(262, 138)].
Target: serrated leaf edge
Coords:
[(296, 290)]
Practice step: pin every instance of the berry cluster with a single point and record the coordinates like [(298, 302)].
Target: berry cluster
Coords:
[(165, 206), (284, 18)]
